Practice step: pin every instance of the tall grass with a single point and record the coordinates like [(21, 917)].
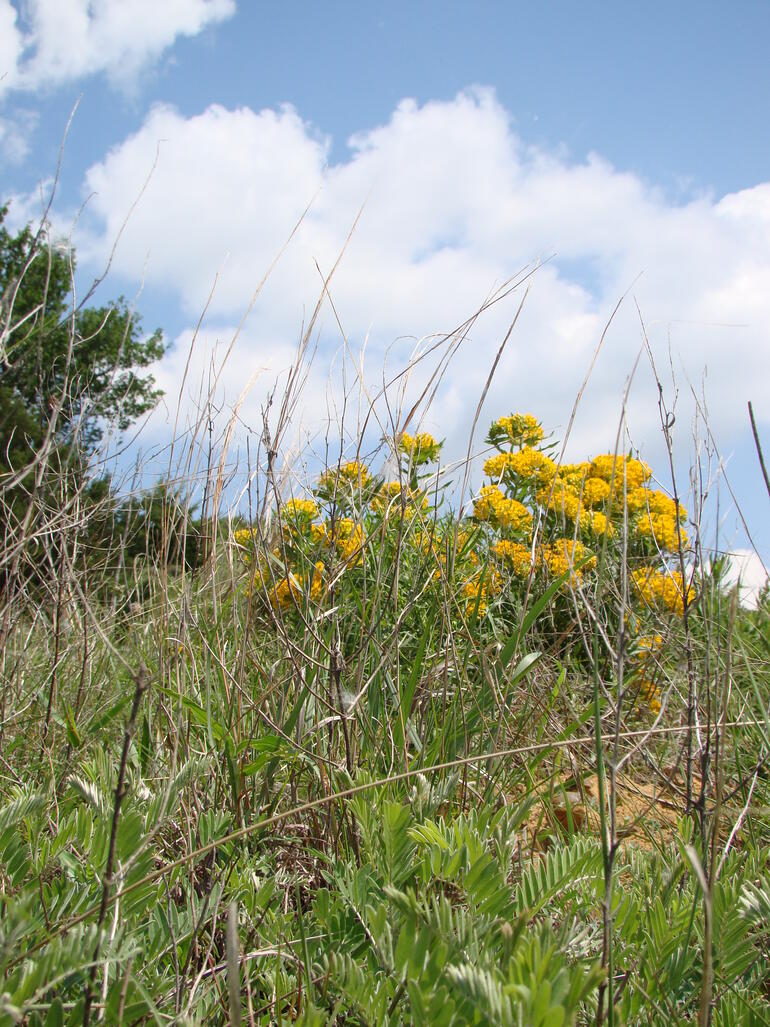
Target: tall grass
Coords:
[(377, 755)]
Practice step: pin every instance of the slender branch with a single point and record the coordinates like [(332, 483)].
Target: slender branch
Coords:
[(759, 448)]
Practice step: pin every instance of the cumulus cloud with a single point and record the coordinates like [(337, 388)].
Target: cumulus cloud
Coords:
[(454, 204), (15, 135), (748, 571), (60, 40), (11, 44)]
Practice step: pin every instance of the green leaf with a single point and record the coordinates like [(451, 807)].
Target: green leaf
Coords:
[(73, 735), (407, 693), (97, 724), (55, 1016)]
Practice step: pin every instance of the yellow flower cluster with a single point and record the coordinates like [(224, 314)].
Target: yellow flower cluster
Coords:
[(654, 501), (650, 693), (643, 656), (518, 556), (479, 589), (527, 463), (391, 495), (560, 498), (244, 540), (517, 430), (663, 588), (301, 509), (575, 474), (662, 528), (595, 491), (646, 644), (565, 500), (562, 555), (354, 471), (290, 590), (620, 468), (496, 466), (346, 537), (297, 515), (491, 505), (513, 515), (583, 499), (596, 522), (347, 475), (531, 464), (421, 448)]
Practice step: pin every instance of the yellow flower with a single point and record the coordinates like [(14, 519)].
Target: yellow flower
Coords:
[(561, 498), (485, 505), (531, 463), (289, 591), (662, 528), (462, 540), (345, 536), (421, 448), (509, 513), (496, 466), (649, 643), (574, 474), (492, 505), (244, 539), (562, 555), (637, 473), (663, 588), (286, 592), (657, 502), (620, 468), (354, 471), (301, 509), (392, 498), (352, 474), (596, 522), (518, 556), (650, 693), (595, 491), (479, 588), (517, 429), (316, 581)]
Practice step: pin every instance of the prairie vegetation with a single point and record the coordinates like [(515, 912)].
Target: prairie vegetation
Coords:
[(396, 742)]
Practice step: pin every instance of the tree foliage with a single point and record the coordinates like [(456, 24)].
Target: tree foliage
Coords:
[(69, 372), (67, 367)]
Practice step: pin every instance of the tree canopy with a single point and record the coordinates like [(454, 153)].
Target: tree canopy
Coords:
[(68, 372), (64, 370)]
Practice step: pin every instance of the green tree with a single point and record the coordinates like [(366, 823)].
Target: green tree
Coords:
[(81, 366), (67, 373)]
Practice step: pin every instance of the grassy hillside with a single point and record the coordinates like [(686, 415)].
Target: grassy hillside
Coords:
[(373, 759)]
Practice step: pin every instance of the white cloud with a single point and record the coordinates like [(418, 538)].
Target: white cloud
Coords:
[(62, 40), (10, 44), (455, 203), (747, 570), (15, 135)]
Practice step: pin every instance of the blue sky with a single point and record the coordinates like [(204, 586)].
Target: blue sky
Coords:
[(615, 141)]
